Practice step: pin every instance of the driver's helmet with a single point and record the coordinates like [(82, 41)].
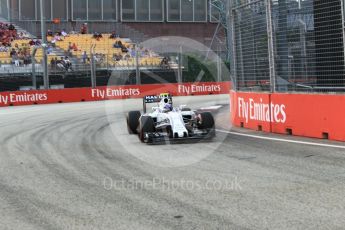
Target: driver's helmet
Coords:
[(168, 107)]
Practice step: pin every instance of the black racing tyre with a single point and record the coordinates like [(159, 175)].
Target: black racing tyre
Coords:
[(206, 121), (169, 131), (133, 121), (146, 125)]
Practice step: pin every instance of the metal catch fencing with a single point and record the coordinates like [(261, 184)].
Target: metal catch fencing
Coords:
[(288, 45), (101, 69)]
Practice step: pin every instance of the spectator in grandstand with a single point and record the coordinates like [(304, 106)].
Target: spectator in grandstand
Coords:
[(20, 52), (22, 35), (117, 57), (50, 33), (97, 36), (74, 47), (53, 63), (68, 64), (117, 45), (95, 57), (102, 57), (84, 57), (83, 29), (21, 55), (99, 58), (132, 51), (55, 39), (63, 33), (13, 52), (113, 35), (8, 34), (6, 41), (60, 64), (70, 48), (34, 42), (15, 60), (31, 42), (11, 27), (64, 64), (49, 49), (165, 63), (27, 59), (53, 43), (124, 49), (145, 52), (3, 48), (58, 38), (6, 44)]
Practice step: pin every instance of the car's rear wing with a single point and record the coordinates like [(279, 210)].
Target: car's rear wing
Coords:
[(152, 99), (155, 99)]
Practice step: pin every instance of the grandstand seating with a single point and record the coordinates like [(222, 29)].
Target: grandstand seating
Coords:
[(5, 57), (103, 46)]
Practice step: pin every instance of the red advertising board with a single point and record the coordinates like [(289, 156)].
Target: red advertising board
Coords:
[(312, 115), (309, 115), (109, 93), (251, 110)]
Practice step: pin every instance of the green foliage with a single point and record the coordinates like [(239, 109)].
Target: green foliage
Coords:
[(199, 69)]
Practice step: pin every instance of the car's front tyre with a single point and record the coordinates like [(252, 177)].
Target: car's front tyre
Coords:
[(133, 122), (206, 122), (146, 126)]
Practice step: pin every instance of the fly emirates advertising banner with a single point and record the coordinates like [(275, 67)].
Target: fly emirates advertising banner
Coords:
[(258, 110), (22, 97), (110, 93), (251, 110), (310, 115)]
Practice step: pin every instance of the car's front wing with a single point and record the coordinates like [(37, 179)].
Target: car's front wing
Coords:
[(161, 138)]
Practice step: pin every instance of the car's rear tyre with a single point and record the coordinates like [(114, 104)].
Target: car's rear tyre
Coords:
[(133, 121), (206, 122), (146, 125)]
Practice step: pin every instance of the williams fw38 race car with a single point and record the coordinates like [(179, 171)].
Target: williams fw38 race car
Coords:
[(168, 123)]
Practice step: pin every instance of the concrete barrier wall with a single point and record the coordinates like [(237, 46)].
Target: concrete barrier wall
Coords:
[(308, 115), (244, 114)]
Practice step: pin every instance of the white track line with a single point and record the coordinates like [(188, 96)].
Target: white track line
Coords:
[(215, 107), (282, 140)]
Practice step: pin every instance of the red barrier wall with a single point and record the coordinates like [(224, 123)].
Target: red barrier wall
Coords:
[(312, 115), (109, 93), (245, 113), (309, 115)]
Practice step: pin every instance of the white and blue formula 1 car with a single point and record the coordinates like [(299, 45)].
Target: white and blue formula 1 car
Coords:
[(166, 122)]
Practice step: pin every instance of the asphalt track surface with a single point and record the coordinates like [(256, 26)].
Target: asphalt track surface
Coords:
[(73, 166)]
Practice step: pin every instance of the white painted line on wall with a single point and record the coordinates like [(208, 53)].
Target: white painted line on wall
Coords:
[(282, 140)]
